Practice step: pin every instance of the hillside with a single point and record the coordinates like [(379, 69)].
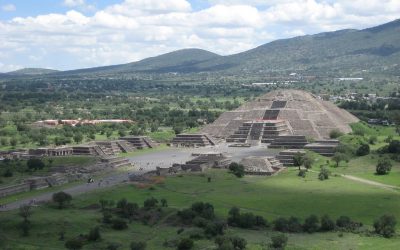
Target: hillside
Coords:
[(375, 49), (31, 71)]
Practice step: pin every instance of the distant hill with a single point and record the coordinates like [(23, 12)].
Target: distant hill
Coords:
[(184, 60), (31, 71), (375, 49)]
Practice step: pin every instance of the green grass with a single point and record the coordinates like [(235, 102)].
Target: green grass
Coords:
[(364, 167), (282, 195)]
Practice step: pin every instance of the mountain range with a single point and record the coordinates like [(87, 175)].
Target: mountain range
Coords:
[(374, 49)]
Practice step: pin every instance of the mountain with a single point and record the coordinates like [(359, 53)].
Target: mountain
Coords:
[(31, 71), (373, 49), (184, 60)]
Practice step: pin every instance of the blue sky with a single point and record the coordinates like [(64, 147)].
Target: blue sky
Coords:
[(71, 34)]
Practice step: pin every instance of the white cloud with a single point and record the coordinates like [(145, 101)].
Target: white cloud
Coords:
[(135, 29), (74, 3), (8, 7)]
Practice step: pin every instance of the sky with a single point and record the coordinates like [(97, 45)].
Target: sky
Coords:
[(72, 34)]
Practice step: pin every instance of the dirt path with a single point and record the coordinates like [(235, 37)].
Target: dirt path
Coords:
[(373, 183), (365, 181)]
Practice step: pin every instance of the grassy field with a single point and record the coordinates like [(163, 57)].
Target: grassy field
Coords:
[(364, 167), (282, 195)]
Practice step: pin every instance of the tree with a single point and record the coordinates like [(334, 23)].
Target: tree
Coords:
[(385, 226), (150, 203), (164, 202), (119, 224), (279, 241), (138, 245), (94, 234), (62, 199), (78, 137), (394, 147), (327, 224), (307, 161), (298, 160), (338, 157), (74, 244), (363, 150), (237, 169), (335, 134), (311, 224), (13, 141), (383, 167), (25, 212), (177, 129), (185, 244), (35, 164)]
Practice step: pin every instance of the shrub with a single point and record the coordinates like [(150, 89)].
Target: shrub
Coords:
[(119, 224), (185, 244), (215, 228), (323, 174), (383, 167), (238, 243), (311, 224), (150, 203), (139, 245), (372, 140), (294, 225), (335, 134), (234, 243), (279, 241), (281, 224), (94, 234), (385, 226), (74, 244), (394, 147), (236, 169), (327, 223), (35, 164), (62, 198), (363, 150)]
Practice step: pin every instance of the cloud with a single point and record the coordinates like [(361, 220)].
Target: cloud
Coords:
[(8, 7), (135, 29), (74, 3)]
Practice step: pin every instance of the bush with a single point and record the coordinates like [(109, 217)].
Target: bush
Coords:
[(372, 140), (294, 225), (279, 241), (234, 243), (35, 164), (94, 234), (140, 245), (311, 224), (327, 224), (343, 222), (185, 244), (215, 228), (119, 224), (74, 244), (62, 198), (385, 226), (323, 174), (237, 169), (383, 167), (150, 203), (394, 147), (335, 134), (363, 150), (281, 224)]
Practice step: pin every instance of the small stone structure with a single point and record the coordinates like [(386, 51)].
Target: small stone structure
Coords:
[(192, 140), (261, 165), (139, 142), (116, 162), (59, 151), (289, 141), (323, 147), (286, 156)]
